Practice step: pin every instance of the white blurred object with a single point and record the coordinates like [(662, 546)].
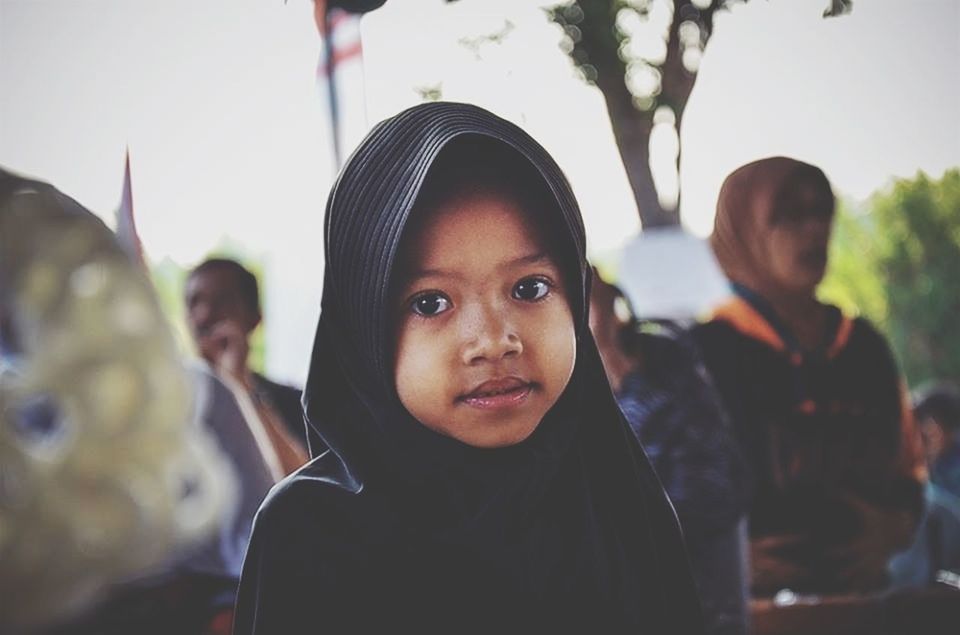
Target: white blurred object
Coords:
[(105, 473), (950, 578), (669, 273)]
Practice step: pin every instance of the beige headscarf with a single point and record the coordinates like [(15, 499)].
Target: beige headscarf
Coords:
[(743, 221)]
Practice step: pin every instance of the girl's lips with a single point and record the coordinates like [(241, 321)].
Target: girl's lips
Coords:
[(499, 393), (493, 401)]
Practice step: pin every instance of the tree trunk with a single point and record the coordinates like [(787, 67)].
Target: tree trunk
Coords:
[(597, 42), (631, 129), (676, 127)]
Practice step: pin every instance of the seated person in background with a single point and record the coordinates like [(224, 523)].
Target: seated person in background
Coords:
[(223, 309), (936, 548), (938, 416), (815, 397), (674, 412)]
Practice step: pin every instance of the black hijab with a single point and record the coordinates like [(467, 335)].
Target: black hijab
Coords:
[(574, 511)]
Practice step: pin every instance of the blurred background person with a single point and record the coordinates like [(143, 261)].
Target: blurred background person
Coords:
[(935, 551), (673, 410), (938, 417), (223, 309), (815, 397)]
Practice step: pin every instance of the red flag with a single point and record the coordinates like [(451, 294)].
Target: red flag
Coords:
[(126, 224)]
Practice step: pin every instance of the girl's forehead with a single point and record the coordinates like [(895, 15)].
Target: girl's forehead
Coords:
[(492, 223), (466, 203)]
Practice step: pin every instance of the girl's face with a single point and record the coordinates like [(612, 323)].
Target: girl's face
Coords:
[(485, 336)]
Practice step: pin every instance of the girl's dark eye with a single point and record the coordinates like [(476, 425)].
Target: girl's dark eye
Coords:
[(430, 304), (531, 289)]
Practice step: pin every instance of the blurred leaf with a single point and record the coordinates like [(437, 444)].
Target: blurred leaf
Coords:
[(474, 44), (432, 92), (838, 8)]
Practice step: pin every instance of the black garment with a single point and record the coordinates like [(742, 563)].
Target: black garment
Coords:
[(286, 400), (813, 429), (399, 529), (182, 604)]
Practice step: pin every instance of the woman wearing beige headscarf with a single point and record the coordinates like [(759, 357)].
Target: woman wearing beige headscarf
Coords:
[(815, 396)]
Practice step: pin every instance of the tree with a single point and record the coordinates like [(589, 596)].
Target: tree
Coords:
[(642, 85), (853, 282), (919, 257), (898, 265), (609, 43)]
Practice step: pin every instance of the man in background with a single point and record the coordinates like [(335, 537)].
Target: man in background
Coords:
[(223, 309), (938, 416), (935, 552)]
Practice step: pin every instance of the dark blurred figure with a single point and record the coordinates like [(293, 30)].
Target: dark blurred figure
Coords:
[(666, 396), (223, 309), (938, 416), (815, 397), (934, 555)]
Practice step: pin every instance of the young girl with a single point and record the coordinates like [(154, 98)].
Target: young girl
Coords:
[(480, 476)]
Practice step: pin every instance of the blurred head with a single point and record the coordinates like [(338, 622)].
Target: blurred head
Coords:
[(611, 316), (937, 412), (772, 227), (485, 338), (220, 290), (800, 217), (106, 475)]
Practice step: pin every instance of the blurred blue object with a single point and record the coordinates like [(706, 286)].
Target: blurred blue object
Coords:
[(936, 547)]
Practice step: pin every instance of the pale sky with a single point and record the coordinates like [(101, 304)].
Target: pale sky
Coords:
[(228, 133)]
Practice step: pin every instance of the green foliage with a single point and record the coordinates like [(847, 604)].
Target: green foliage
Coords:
[(838, 7), (168, 280), (591, 36), (899, 265), (610, 42), (852, 282)]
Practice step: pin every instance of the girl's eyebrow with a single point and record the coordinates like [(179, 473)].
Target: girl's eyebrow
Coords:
[(530, 259)]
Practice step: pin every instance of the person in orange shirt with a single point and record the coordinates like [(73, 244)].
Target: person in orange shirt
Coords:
[(815, 396)]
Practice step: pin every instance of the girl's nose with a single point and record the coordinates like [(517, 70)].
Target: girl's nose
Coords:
[(490, 337)]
